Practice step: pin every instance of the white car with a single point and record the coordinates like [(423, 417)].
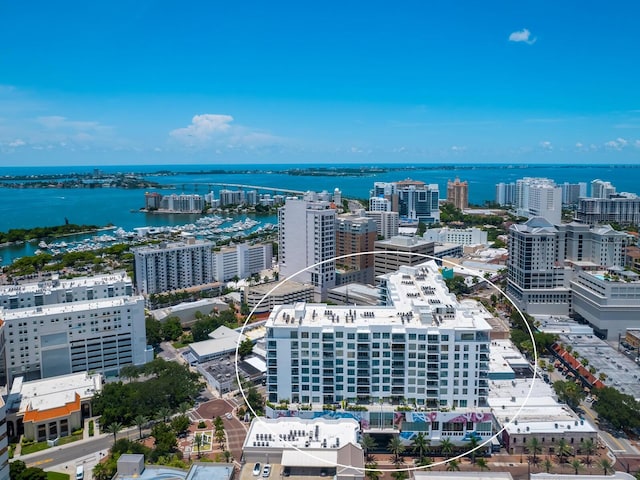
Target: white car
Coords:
[(257, 468), (266, 471), (228, 415)]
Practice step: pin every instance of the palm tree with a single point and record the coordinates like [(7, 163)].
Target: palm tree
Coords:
[(471, 446), (534, 447), (368, 443), (101, 472), (198, 441), (576, 464), (397, 448), (482, 464), (453, 465), (400, 475), (420, 444), (548, 465), (563, 449), (446, 446), (183, 408), (164, 414), (605, 465), (114, 428), (220, 436), (588, 447), (602, 376), (140, 421), (227, 455), (372, 471)]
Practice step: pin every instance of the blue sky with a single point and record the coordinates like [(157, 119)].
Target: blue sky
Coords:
[(115, 82)]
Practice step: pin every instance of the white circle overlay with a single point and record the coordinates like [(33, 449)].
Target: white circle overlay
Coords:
[(460, 269)]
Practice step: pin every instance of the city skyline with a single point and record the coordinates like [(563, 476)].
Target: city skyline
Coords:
[(158, 83)]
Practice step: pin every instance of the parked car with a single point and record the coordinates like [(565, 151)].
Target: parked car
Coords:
[(257, 468), (266, 471)]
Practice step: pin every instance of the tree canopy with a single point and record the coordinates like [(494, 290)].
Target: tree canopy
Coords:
[(619, 409), (168, 384)]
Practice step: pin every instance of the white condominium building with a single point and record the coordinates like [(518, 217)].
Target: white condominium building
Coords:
[(421, 347), (460, 236), (173, 266), (241, 260), (56, 290), (539, 197), (97, 325), (306, 237), (623, 209), (387, 223)]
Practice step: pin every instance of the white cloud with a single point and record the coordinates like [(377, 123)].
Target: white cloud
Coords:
[(523, 35), (210, 129), (546, 145), (18, 142), (617, 144), (56, 122), (458, 149), (579, 145)]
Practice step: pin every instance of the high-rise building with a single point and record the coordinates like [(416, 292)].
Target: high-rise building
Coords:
[(542, 259), (537, 281), (173, 266), (458, 193), (355, 234), (387, 222), (307, 238), (539, 197), (241, 260), (624, 210), (602, 189), (182, 203), (4, 442), (413, 200), (397, 251), (506, 193), (420, 347), (572, 192), (60, 327)]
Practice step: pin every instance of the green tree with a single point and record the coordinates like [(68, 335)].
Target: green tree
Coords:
[(471, 446), (482, 464), (368, 443), (606, 466), (220, 436), (399, 475), (620, 409), (152, 328), (372, 471), (396, 448), (164, 414), (446, 446), (198, 442), (453, 465), (563, 450), (548, 465), (101, 472), (16, 468), (171, 329), (140, 421), (114, 428), (588, 448), (420, 444), (534, 448), (246, 348), (180, 424), (165, 440), (576, 464), (569, 392), (33, 473)]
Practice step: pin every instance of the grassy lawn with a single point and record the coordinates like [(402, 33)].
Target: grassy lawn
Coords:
[(57, 476), (69, 439), (34, 447)]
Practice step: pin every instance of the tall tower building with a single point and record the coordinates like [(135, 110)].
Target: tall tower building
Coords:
[(602, 189), (355, 234), (537, 280), (306, 237), (539, 197), (458, 193), (173, 266), (418, 201)]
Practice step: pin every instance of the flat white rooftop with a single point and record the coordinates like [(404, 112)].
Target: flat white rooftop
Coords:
[(71, 307), (48, 286), (287, 433), (55, 391), (418, 297)]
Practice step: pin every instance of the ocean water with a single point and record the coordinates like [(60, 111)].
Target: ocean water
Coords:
[(27, 208)]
